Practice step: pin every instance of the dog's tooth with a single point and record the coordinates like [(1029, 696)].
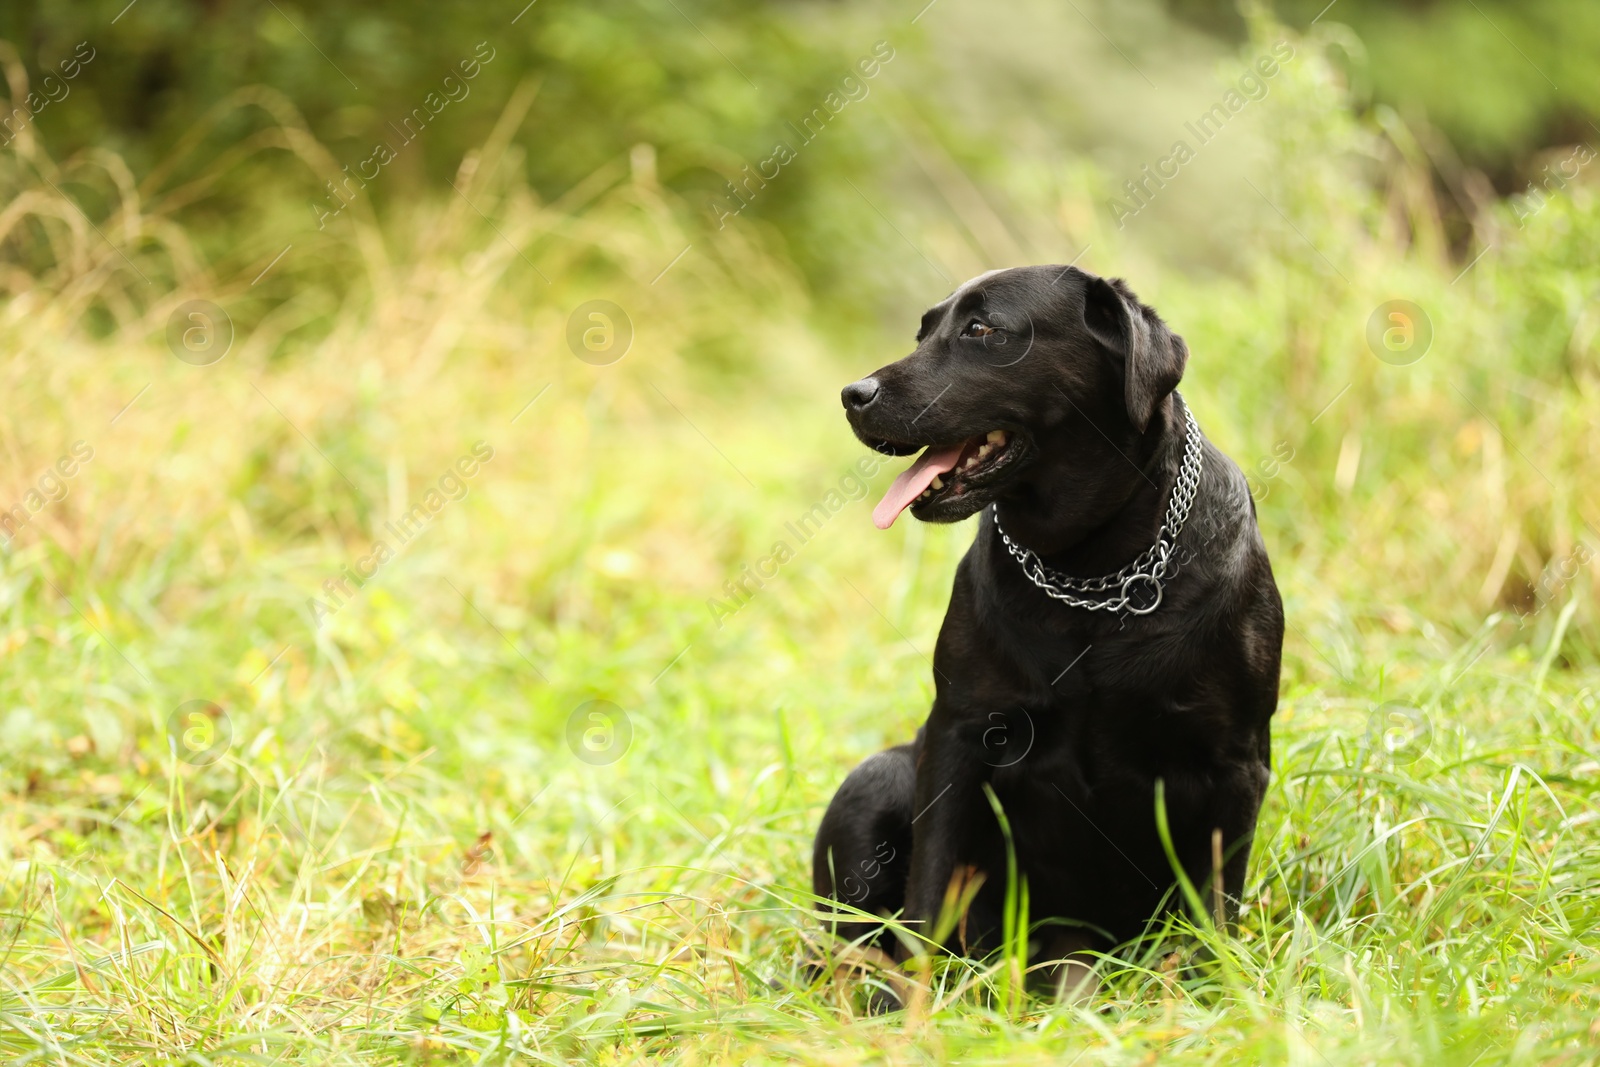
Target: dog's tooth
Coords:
[(938, 483), (997, 437)]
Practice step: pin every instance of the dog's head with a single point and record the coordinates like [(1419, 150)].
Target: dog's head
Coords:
[(1024, 383)]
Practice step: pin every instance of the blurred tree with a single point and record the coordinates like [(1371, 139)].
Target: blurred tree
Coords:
[(1499, 78), (709, 85)]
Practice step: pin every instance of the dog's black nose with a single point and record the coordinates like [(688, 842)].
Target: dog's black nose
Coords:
[(858, 395)]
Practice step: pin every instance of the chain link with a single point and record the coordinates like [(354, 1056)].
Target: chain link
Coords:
[(1150, 568)]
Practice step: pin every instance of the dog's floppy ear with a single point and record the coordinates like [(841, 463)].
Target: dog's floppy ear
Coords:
[(1152, 356)]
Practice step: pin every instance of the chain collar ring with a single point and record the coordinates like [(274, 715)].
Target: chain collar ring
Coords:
[(1148, 570)]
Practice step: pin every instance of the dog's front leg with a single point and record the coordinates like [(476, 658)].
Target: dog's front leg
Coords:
[(947, 830)]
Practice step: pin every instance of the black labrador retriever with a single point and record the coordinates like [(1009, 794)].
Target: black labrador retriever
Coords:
[(1112, 640)]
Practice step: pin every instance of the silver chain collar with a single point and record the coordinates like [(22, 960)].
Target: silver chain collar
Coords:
[(1149, 571)]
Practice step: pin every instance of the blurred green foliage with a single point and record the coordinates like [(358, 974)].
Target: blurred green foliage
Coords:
[(1499, 78), (709, 85), (708, 95), (712, 86)]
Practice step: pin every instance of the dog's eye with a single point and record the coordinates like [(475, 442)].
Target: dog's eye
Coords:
[(977, 328)]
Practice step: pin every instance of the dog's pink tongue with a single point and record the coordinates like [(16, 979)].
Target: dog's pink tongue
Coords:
[(912, 481)]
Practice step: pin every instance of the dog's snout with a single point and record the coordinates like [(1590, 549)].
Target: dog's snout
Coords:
[(858, 395)]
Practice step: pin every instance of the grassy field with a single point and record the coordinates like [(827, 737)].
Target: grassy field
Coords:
[(536, 791)]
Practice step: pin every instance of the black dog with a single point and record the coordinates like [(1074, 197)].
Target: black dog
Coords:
[(1045, 397)]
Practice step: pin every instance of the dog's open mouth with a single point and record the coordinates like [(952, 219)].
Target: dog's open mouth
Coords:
[(945, 471)]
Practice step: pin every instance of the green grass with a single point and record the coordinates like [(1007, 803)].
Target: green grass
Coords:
[(325, 892), (399, 857)]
